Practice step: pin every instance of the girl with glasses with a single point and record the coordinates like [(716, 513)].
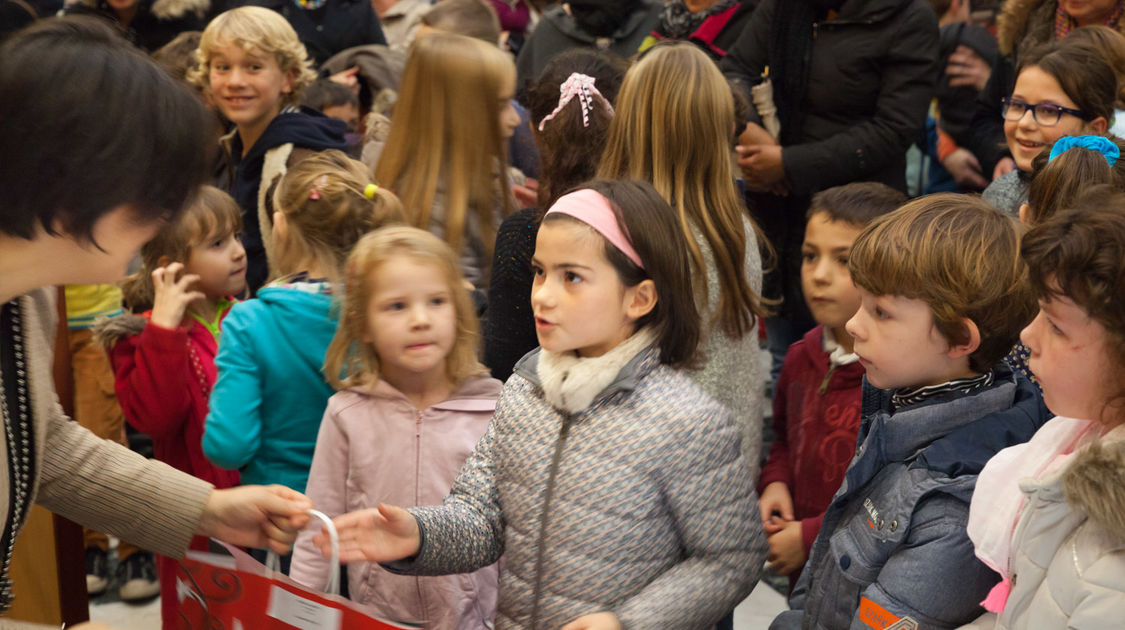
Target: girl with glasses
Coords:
[(1062, 89)]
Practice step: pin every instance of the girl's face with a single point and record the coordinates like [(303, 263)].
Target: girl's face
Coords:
[(1026, 137), (509, 117), (411, 319), (1069, 357), (247, 85), (578, 299), (220, 264)]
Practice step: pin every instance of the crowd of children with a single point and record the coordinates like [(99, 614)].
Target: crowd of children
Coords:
[(949, 420)]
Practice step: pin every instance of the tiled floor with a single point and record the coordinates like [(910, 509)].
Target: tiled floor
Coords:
[(753, 614)]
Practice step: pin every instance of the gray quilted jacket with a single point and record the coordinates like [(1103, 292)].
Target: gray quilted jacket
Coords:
[(640, 505)]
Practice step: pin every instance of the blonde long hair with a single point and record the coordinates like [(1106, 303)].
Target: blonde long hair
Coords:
[(327, 209), (447, 127), (351, 362), (679, 140)]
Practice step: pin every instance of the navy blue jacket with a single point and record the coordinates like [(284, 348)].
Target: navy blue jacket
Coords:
[(895, 531)]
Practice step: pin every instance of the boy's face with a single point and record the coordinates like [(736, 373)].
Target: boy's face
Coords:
[(247, 85), (898, 343), (827, 285), (347, 112), (1069, 359)]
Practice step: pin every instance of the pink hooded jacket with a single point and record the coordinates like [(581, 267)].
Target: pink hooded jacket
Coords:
[(375, 447)]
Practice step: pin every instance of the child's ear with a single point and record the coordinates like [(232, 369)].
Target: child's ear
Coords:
[(287, 81), (971, 340), (1099, 125), (164, 261), (1024, 209), (279, 224), (643, 300)]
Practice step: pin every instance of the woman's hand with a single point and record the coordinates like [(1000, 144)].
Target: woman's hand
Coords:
[(966, 67), (762, 166), (596, 621), (172, 296), (256, 516), (382, 534), (1003, 167)]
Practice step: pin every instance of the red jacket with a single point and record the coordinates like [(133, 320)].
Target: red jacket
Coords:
[(816, 413), (163, 379)]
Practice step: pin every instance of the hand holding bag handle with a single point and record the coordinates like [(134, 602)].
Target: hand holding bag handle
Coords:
[(273, 561)]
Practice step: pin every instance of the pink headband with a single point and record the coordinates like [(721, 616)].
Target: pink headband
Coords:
[(591, 208)]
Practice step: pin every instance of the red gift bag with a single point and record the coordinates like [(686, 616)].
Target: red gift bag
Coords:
[(236, 592)]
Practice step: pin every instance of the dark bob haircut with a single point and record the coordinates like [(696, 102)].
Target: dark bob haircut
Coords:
[(89, 124)]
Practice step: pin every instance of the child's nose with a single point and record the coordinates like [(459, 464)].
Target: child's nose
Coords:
[(419, 316), (1027, 335), (853, 326)]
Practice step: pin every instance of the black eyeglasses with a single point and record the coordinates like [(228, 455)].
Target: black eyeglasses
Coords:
[(1045, 114)]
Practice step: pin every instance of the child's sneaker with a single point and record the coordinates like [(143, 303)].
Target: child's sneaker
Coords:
[(137, 574), (97, 574)]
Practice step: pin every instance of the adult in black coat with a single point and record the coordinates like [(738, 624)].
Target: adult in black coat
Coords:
[(327, 27), (852, 81)]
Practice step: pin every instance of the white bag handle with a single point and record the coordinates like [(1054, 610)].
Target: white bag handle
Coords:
[(273, 561)]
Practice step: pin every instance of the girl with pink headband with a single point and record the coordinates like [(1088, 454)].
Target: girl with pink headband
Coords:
[(613, 484)]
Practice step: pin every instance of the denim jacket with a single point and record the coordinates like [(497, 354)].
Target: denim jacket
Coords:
[(893, 541)]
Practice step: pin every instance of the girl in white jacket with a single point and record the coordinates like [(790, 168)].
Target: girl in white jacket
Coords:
[(1049, 515)]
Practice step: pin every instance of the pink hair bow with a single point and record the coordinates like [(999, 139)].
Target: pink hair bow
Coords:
[(581, 86)]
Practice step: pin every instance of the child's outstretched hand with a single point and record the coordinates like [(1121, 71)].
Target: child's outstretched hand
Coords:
[(776, 502), (596, 621), (787, 550), (381, 534), (172, 295)]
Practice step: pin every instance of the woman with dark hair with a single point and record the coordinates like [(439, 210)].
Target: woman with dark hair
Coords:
[(75, 206)]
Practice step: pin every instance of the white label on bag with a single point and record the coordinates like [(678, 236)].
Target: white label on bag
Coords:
[(300, 612)]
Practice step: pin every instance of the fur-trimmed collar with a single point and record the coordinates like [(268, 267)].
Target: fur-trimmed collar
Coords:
[(571, 383), (108, 332), (1023, 24), (170, 9), (1095, 482)]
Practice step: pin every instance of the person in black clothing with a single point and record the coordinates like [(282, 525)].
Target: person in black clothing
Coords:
[(852, 82), (569, 155), (713, 25), (149, 24), (326, 27)]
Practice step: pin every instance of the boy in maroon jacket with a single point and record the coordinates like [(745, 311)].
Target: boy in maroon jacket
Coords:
[(816, 405)]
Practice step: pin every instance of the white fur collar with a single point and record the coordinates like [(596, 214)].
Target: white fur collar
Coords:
[(571, 383)]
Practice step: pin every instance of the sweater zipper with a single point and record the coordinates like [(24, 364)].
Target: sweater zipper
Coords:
[(540, 552), (827, 377), (417, 495)]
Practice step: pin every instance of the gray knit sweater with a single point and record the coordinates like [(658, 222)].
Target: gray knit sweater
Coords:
[(639, 505), (732, 371)]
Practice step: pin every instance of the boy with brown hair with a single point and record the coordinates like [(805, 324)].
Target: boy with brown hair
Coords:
[(943, 296), (816, 403)]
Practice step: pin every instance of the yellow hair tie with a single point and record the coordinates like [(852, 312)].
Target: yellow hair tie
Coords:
[(369, 192)]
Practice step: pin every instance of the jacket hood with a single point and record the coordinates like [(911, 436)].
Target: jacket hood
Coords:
[(296, 305), (473, 391), (566, 23), (968, 448), (1095, 483), (627, 378), (1012, 22), (308, 129), (108, 332)]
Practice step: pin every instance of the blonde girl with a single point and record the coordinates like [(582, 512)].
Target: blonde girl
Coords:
[(679, 140), (412, 403), (163, 358), (270, 395), (445, 155)]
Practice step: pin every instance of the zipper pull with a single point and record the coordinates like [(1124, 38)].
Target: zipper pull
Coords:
[(827, 377), (815, 29)]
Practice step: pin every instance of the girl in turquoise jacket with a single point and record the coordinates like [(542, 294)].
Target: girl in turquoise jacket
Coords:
[(271, 392)]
